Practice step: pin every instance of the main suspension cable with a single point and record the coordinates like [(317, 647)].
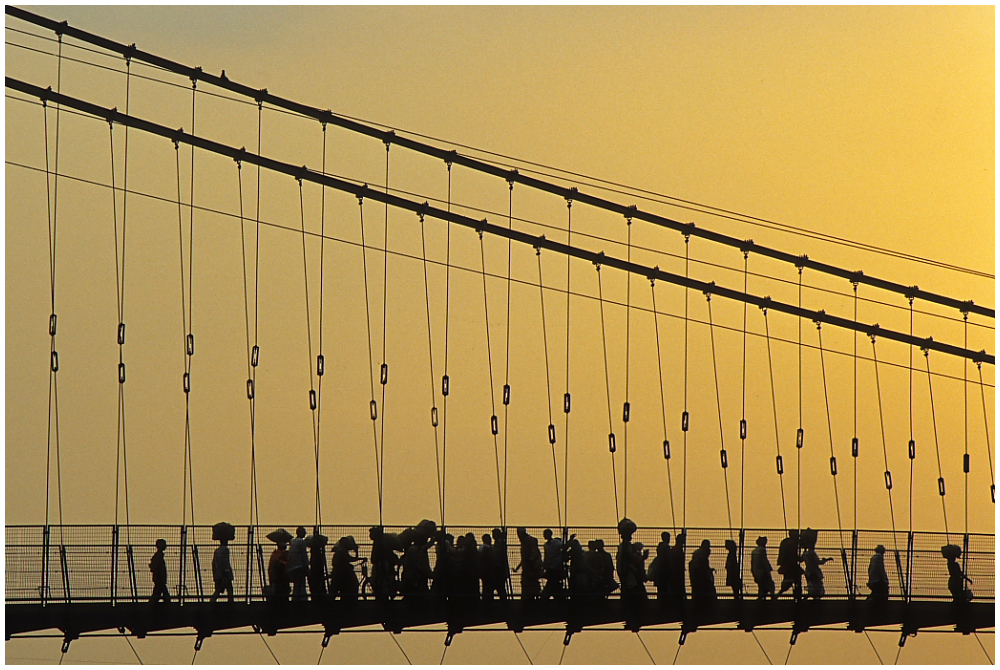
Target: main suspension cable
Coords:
[(718, 403), (663, 405), (937, 445), (779, 463), (607, 387), (494, 421), (548, 383)]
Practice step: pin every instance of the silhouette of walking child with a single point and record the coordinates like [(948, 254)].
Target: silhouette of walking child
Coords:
[(760, 567), (222, 569), (956, 578), (298, 564), (158, 566), (734, 579)]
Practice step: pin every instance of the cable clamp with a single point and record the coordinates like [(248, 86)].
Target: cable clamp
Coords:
[(61, 28), (856, 278), (538, 245), (390, 135), (911, 292), (570, 198), (360, 195), (764, 304), (632, 209), (801, 261), (130, 51), (600, 260), (303, 172), (926, 346), (110, 118), (746, 247), (708, 291), (819, 319), (512, 177), (261, 94), (873, 332), (238, 158)]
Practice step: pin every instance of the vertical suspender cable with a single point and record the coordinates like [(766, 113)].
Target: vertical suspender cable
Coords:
[(506, 374), (965, 414), (251, 353), (829, 426), (566, 397), (384, 371), (494, 425), (189, 340), (855, 446), (885, 452), (986, 420), (626, 407), (121, 453), (430, 357), (372, 405), (937, 446), (685, 417), (911, 446), (607, 386), (743, 391), (548, 382), (718, 403), (800, 434), (52, 204), (663, 404), (313, 398), (320, 359), (445, 380), (779, 463)]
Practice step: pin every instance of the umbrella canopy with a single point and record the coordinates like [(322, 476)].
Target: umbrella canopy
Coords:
[(223, 531), (280, 536)]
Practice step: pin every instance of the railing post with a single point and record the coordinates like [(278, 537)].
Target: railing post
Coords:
[(249, 579), (260, 565), (46, 535), (114, 565), (131, 571), (965, 555), (740, 555), (854, 565), (909, 566), (197, 571), (65, 573), (181, 583)]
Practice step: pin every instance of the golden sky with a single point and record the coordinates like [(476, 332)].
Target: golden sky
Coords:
[(874, 125)]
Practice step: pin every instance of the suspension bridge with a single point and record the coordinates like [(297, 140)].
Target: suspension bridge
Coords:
[(761, 393)]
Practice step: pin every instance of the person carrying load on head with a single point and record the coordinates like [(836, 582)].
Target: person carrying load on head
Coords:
[(277, 566), (222, 570)]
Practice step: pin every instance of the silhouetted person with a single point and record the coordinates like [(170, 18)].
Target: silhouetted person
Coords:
[(630, 563), (416, 569), (277, 573), (878, 580), (298, 564), (553, 560), (702, 577), (660, 570), (383, 565), (344, 580), (734, 579), (317, 565), (501, 564), (468, 567), (788, 564), (158, 566), (813, 573), (531, 565), (678, 567), (760, 568), (222, 571), (581, 578), (602, 568), (444, 566), (487, 571), (956, 578)]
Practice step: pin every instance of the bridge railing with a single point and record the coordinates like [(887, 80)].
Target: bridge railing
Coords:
[(61, 564)]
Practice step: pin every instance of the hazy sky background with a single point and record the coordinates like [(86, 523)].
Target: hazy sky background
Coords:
[(871, 124)]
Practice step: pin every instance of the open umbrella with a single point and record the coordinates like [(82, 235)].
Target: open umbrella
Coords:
[(280, 536)]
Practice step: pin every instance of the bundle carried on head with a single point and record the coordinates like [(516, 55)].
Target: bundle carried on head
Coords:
[(223, 531)]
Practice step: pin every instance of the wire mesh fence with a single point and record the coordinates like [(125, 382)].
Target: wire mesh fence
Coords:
[(112, 563)]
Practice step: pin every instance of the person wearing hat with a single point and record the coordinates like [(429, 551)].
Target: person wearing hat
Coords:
[(956, 578), (878, 580), (158, 566), (760, 568)]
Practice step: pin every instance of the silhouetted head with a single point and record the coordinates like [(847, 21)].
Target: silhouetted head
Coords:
[(375, 532), (487, 540), (547, 534), (599, 544), (161, 544), (522, 533), (880, 549), (730, 545), (300, 531), (681, 539), (470, 540), (665, 537), (282, 545), (761, 541), (794, 534), (499, 535), (592, 545), (706, 546)]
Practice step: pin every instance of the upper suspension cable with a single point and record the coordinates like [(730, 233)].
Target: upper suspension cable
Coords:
[(548, 383), (607, 386), (718, 403), (663, 404), (937, 446), (494, 421)]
